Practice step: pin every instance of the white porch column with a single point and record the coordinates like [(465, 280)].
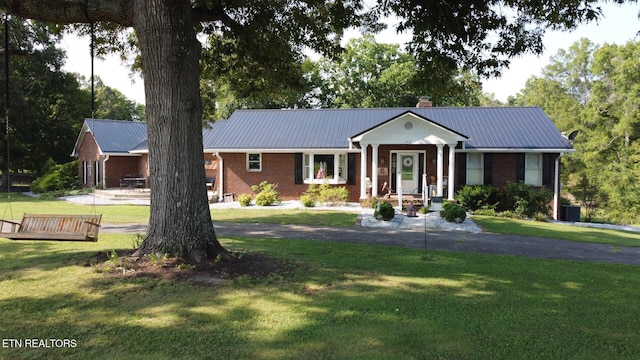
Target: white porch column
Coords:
[(452, 171), (374, 170), (440, 169), (556, 189), (363, 171)]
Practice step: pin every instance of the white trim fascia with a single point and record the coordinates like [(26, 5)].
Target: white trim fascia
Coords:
[(266, 151), (132, 154), (494, 150)]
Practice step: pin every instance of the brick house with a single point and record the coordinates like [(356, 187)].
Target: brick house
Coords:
[(422, 151)]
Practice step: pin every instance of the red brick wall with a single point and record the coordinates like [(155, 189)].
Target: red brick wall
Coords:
[(277, 168), (115, 165), (123, 165), (504, 169)]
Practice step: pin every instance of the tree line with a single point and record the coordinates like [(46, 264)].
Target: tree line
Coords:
[(595, 90)]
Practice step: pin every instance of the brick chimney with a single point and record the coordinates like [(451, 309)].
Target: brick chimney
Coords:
[(424, 102)]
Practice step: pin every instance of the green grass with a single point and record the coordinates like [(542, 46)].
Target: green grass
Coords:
[(292, 217), (21, 204), (557, 231), (343, 301)]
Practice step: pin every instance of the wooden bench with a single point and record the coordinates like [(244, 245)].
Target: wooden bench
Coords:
[(52, 227), (134, 181)]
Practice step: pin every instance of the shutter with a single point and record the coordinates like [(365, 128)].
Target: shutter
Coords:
[(461, 161), (298, 168), (488, 169), (546, 169), (420, 171), (351, 169), (520, 159)]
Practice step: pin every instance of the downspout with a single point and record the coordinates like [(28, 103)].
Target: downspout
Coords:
[(220, 180), (556, 187), (104, 172)]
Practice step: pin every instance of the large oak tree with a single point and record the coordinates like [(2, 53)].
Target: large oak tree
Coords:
[(447, 35)]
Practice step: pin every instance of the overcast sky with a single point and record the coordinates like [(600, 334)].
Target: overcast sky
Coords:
[(619, 25)]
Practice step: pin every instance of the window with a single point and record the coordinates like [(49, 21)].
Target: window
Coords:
[(320, 168), (254, 162), (474, 169), (96, 177), (85, 170), (533, 169)]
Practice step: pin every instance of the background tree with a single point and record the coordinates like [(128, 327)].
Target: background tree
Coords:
[(475, 34), (368, 74), (594, 89), (233, 78), (112, 104), (46, 104)]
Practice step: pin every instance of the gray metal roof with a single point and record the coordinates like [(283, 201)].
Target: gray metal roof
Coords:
[(498, 128), (486, 127), (117, 136)]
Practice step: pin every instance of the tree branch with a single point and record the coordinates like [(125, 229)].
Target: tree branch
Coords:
[(72, 11)]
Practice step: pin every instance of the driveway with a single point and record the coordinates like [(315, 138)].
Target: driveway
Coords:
[(440, 240)]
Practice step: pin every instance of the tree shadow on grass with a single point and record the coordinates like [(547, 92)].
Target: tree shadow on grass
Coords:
[(341, 301)]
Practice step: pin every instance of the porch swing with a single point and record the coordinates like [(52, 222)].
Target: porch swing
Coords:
[(47, 226)]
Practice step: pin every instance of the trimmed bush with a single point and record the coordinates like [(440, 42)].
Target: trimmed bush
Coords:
[(331, 195), (325, 193), (267, 194), (307, 201), (244, 200), (452, 211), (385, 211)]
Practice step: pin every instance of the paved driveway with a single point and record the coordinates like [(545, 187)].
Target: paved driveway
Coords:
[(435, 240)]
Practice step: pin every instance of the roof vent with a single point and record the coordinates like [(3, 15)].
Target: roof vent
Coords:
[(424, 102)]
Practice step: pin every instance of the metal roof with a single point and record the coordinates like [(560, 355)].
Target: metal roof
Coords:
[(117, 136), (485, 127)]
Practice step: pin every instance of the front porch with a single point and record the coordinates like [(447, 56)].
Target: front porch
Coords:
[(407, 154)]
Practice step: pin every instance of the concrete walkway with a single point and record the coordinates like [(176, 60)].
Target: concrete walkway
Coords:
[(440, 240)]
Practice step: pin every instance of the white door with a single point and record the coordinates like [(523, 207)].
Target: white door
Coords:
[(408, 169)]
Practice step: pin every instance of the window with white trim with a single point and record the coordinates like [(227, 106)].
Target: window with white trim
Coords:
[(324, 168), (475, 173), (254, 162), (533, 169)]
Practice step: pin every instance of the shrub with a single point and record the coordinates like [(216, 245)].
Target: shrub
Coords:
[(525, 200), (57, 177), (328, 194), (244, 199), (384, 211), (485, 212), (476, 197), (540, 217), (267, 194), (333, 195), (307, 201), (452, 211), (371, 202)]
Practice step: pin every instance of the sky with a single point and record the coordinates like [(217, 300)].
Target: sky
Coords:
[(619, 25)]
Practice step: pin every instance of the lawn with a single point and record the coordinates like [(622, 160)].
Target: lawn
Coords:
[(21, 204), (339, 301), (557, 231)]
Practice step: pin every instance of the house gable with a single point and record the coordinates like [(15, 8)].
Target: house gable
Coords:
[(409, 129)]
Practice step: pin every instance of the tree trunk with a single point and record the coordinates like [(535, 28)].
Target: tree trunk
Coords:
[(180, 221)]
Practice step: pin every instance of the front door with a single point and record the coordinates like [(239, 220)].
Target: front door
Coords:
[(407, 167)]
